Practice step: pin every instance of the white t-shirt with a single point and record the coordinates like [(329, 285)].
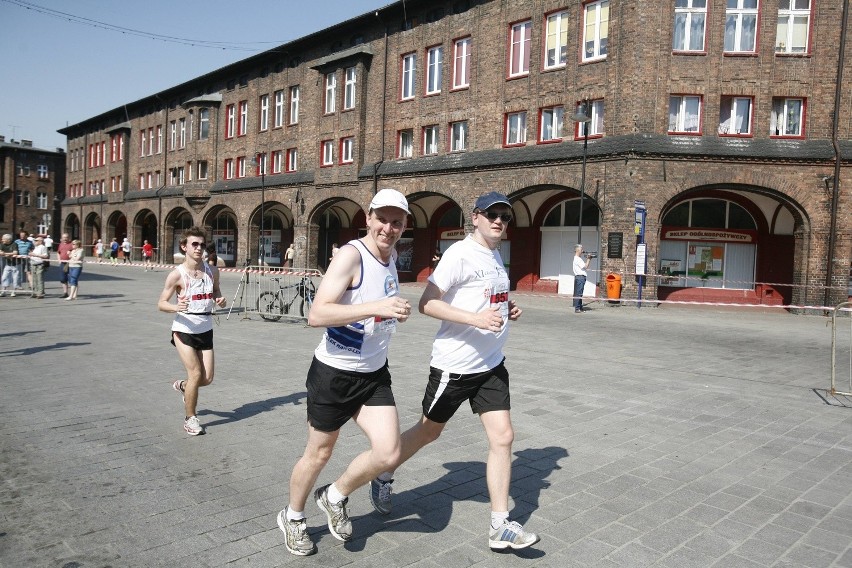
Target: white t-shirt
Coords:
[(472, 278), (579, 266), (125, 246)]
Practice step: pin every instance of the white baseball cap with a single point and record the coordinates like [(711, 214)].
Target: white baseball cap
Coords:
[(389, 198)]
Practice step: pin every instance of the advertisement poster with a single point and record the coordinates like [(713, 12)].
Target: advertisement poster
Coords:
[(405, 250), (272, 247), (225, 244), (705, 260)]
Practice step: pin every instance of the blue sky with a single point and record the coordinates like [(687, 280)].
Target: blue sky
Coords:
[(57, 72)]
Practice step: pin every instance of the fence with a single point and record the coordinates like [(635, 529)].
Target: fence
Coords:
[(13, 272), (275, 293), (841, 309)]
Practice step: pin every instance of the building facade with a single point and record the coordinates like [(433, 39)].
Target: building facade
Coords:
[(708, 139), (32, 185)]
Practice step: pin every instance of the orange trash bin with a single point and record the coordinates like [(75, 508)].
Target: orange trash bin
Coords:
[(613, 286)]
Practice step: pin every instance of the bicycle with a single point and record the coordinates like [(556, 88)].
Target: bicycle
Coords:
[(272, 306)]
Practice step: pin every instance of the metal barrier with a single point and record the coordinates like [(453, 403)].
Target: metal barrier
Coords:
[(841, 308), (275, 293), (15, 274)]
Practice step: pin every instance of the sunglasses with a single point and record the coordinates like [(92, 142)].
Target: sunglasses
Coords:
[(196, 245), (492, 216)]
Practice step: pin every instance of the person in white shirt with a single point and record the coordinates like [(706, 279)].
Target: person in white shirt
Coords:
[(469, 293), (37, 257), (126, 247), (579, 267)]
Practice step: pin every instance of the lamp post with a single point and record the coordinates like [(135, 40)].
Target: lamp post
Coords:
[(582, 118), (259, 161)]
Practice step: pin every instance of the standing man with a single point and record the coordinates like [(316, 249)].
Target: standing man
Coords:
[(37, 257), (196, 285), (25, 245), (579, 268), (358, 304), (126, 247), (48, 242), (289, 255), (63, 250), (147, 254), (469, 293)]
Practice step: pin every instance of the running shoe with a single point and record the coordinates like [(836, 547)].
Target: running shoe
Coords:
[(178, 387), (380, 495), (296, 537), (192, 426), (511, 535), (338, 518)]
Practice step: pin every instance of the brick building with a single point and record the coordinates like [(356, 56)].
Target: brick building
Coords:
[(32, 184), (719, 126)]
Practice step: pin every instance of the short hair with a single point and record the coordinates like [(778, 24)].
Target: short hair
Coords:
[(578, 247), (77, 242), (7, 236), (194, 231)]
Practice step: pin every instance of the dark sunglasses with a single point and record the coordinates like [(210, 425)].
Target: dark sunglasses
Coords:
[(492, 216), (196, 245)]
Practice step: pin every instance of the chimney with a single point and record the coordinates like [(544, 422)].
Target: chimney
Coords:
[(26, 143)]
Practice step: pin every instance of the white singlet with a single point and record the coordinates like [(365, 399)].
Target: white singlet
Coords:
[(197, 318)]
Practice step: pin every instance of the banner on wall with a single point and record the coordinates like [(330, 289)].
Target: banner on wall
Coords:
[(707, 235), (272, 247), (226, 247)]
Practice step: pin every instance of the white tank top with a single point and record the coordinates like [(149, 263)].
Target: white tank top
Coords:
[(362, 346), (197, 318)]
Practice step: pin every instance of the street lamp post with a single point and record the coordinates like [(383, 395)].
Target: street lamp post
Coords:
[(582, 118), (259, 161)]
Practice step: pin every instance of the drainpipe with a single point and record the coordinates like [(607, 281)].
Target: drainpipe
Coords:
[(384, 114), (835, 195)]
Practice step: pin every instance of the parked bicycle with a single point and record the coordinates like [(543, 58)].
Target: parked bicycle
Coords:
[(288, 299)]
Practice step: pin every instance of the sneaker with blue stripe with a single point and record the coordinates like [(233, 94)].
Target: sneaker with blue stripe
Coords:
[(511, 535)]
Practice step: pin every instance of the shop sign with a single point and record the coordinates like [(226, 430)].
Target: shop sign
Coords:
[(707, 235), (452, 234)]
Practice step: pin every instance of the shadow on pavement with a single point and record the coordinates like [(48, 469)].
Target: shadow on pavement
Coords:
[(39, 349), (252, 409), (19, 333)]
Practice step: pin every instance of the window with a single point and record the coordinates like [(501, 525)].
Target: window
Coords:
[(202, 169), (229, 169), (595, 29), (203, 123), (405, 146), (230, 120), (151, 180), (349, 89), (690, 19), (294, 104), (794, 23), (519, 49), (516, 128), (241, 167), (159, 138), (264, 112), (684, 114), (142, 181), (327, 152), (430, 140), (330, 93), (292, 159), (347, 150), (42, 171), (182, 133), (113, 148), (181, 173), (41, 200), (741, 26), (461, 63), (142, 139), (458, 136), (735, 116), (277, 161), (556, 40), (434, 63), (596, 125), (151, 141), (409, 63), (278, 119), (242, 127), (787, 117), (552, 120), (172, 135), (190, 127)]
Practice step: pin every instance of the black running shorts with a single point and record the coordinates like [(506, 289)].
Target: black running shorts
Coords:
[(445, 392), (335, 396), (198, 341)]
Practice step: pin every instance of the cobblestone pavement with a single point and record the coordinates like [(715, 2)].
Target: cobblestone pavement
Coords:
[(670, 437)]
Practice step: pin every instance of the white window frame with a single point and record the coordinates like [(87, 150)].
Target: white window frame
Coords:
[(556, 40), (278, 119), (515, 128), (229, 168), (459, 136), (330, 93), (783, 107), (264, 112), (327, 151), (430, 140), (43, 171), (142, 181), (735, 106), (596, 124), (241, 166), (408, 75), (519, 48), (679, 108), (292, 161), (595, 30), (737, 16), (203, 123), (242, 127), (143, 138), (686, 13), (41, 200), (151, 141), (172, 134), (434, 66), (230, 121), (277, 161), (202, 169), (405, 144), (294, 104), (150, 178), (461, 63), (159, 138), (347, 150), (181, 175), (350, 83), (552, 124), (785, 36), (182, 133)]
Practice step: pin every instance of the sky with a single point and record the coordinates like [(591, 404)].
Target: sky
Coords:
[(60, 69)]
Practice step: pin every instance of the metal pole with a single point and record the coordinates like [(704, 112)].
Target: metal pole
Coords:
[(583, 182), (262, 212)]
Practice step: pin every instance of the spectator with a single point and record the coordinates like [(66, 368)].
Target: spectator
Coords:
[(63, 250), (37, 257), (113, 251), (99, 250), (75, 263), (126, 247), (48, 242), (25, 245), (9, 264), (212, 258)]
